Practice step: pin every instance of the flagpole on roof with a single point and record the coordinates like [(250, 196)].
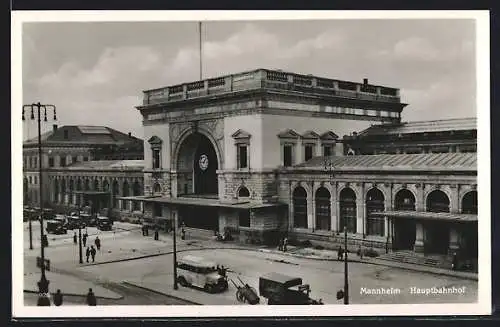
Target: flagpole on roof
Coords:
[(200, 48)]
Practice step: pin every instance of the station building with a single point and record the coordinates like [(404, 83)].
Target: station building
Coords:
[(267, 153)]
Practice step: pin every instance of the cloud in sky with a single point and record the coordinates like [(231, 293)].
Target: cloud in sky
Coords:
[(95, 72)]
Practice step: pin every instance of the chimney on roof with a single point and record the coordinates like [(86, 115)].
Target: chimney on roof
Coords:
[(54, 128), (365, 81), (129, 134)]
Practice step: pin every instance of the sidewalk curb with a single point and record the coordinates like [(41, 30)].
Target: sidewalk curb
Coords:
[(379, 263), (158, 292), (121, 297)]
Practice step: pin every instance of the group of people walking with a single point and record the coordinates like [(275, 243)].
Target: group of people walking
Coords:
[(145, 232), (90, 298), (91, 251)]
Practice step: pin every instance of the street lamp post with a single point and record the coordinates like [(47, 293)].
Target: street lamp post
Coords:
[(174, 220), (346, 270), (43, 284), (80, 236)]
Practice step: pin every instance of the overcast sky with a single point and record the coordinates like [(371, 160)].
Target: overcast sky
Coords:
[(95, 72)]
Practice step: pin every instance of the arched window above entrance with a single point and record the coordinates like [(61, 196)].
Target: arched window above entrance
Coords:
[(157, 188), (155, 143), (243, 192)]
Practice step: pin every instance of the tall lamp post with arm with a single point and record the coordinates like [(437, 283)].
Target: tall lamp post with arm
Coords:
[(330, 169), (38, 109)]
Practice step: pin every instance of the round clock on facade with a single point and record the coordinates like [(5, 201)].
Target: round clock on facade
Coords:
[(203, 162)]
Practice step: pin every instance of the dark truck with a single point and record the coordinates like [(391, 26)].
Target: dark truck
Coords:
[(285, 290)]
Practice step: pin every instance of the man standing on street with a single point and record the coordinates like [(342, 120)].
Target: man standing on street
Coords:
[(98, 243), (92, 252), (74, 238), (91, 300), (85, 239), (58, 298), (87, 253)]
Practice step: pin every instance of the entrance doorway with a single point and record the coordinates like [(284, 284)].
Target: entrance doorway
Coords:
[(404, 234), (197, 165), (200, 217), (437, 237)]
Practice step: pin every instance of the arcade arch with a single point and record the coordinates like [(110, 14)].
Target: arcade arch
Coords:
[(299, 199)]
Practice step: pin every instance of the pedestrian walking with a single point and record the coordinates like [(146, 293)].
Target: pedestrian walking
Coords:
[(157, 234), (285, 243), (280, 245), (74, 238), (97, 243), (360, 253), (143, 230), (92, 252), (58, 298), (87, 254), (454, 261), (84, 239), (340, 253), (91, 300)]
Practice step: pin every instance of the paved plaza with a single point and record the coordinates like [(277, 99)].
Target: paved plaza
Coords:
[(127, 259)]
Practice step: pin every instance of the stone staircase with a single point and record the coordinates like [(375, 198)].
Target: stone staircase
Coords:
[(411, 257)]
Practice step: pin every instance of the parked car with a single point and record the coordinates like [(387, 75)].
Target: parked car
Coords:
[(89, 219), (75, 222), (104, 223), (56, 227)]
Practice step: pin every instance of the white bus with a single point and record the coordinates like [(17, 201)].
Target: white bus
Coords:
[(195, 271)]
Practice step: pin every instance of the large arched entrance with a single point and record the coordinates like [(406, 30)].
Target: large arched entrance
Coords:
[(323, 211), (347, 208), (299, 207), (404, 228), (375, 225), (468, 231), (197, 165), (437, 233)]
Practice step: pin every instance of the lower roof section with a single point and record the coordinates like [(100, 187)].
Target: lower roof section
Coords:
[(454, 217), (204, 202)]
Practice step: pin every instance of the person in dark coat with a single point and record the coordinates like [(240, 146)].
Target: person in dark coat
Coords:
[(87, 254), (84, 239), (183, 233), (74, 238), (280, 245), (285, 243), (92, 252), (58, 298), (157, 234), (340, 253), (91, 299), (97, 243), (454, 261)]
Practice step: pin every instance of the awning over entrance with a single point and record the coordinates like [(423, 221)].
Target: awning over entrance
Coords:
[(456, 217), (204, 202)]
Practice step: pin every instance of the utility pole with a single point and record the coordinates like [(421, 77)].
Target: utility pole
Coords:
[(346, 271), (43, 284)]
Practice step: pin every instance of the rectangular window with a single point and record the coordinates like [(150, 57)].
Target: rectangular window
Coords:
[(156, 158), (36, 162), (24, 162), (35, 180), (31, 162), (308, 152), (327, 150), (242, 156), (65, 134), (31, 180), (244, 218), (85, 158), (51, 161), (63, 162), (74, 159), (287, 155)]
